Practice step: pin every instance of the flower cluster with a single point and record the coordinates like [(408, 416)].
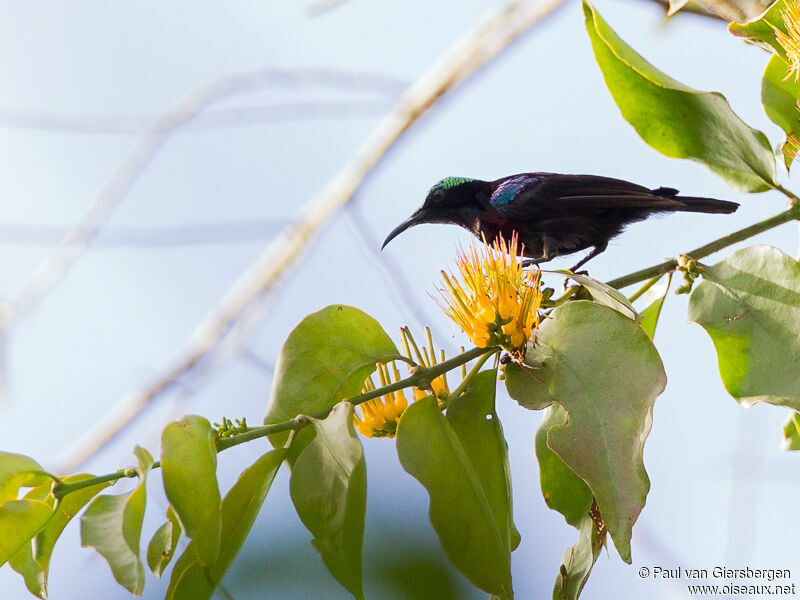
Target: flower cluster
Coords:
[(439, 385), (379, 417), (496, 302), (790, 41)]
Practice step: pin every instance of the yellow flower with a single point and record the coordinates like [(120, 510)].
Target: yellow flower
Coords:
[(427, 359), (496, 301), (379, 417), (790, 41)]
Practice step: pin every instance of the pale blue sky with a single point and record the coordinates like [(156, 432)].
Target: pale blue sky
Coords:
[(720, 487)]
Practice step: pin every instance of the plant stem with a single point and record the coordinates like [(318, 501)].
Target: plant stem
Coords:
[(640, 292), (792, 213), (568, 293), (62, 488), (465, 381), (421, 377)]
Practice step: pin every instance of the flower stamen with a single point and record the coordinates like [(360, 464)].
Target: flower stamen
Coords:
[(496, 302), (378, 417), (790, 41)]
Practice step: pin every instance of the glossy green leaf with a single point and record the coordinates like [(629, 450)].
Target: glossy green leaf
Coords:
[(791, 432), (568, 494), (473, 417), (577, 562), (112, 525), (749, 304), (325, 359), (604, 294), (780, 96), (189, 467), (678, 121), (9, 489), (460, 510), (23, 562), (16, 471), (240, 507), (33, 561), (162, 545), (329, 491), (648, 318), (604, 370), (562, 489), (525, 385), (20, 521), (761, 30), (11, 463)]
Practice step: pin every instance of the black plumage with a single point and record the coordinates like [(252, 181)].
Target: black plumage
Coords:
[(553, 214)]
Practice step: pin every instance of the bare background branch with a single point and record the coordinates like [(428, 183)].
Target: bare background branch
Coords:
[(495, 32), (69, 249)]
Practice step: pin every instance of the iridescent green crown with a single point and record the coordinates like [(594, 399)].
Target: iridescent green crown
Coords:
[(450, 182)]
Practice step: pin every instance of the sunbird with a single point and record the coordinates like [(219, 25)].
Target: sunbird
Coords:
[(553, 215)]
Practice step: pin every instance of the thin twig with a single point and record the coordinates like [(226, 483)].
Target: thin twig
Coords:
[(478, 47), (50, 272), (641, 291), (421, 378), (19, 234), (788, 215), (321, 6), (210, 120)]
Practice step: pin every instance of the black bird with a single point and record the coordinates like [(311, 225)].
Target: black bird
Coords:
[(553, 214)]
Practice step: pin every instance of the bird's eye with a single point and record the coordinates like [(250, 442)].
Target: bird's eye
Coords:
[(437, 195)]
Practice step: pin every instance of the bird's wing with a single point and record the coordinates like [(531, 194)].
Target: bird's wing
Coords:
[(535, 195)]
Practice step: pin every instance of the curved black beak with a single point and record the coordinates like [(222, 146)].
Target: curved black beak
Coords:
[(415, 219)]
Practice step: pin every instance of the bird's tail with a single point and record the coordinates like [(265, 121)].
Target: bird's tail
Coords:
[(697, 204)]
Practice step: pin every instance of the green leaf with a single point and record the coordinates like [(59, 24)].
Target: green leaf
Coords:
[(749, 304), (9, 489), (562, 489), (11, 463), (189, 466), (460, 510), (780, 96), (568, 494), (325, 359), (761, 30), (18, 471), (648, 318), (23, 562), (20, 521), (791, 432), (190, 580), (604, 370), (525, 385), (112, 525), (577, 562), (163, 543), (329, 491), (678, 121), (604, 294), (33, 560), (473, 417)]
